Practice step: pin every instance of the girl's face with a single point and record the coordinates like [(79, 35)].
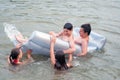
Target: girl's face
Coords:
[(67, 32)]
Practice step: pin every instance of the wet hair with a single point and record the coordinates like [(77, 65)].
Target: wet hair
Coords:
[(14, 55), (86, 28), (68, 26), (60, 61)]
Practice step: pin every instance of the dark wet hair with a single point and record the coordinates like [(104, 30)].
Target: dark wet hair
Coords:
[(60, 61), (14, 55), (68, 26), (87, 28)]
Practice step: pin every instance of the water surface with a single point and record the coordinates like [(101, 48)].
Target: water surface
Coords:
[(51, 15)]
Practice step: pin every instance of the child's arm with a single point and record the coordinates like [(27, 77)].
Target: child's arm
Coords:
[(56, 34), (29, 58), (72, 46), (8, 60), (52, 55), (84, 47), (70, 52)]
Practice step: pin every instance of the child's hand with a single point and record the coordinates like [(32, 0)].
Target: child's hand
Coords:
[(52, 39), (18, 45), (52, 33)]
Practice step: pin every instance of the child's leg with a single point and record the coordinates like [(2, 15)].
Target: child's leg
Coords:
[(20, 38)]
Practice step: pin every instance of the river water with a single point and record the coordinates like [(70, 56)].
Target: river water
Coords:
[(51, 15)]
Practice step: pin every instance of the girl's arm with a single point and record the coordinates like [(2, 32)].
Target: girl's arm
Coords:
[(59, 34), (8, 60), (29, 58), (52, 55)]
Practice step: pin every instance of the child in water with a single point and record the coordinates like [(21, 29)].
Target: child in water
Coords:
[(83, 39), (16, 55), (66, 35), (58, 58)]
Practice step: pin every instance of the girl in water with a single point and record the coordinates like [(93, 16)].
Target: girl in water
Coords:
[(58, 58), (16, 53), (15, 57)]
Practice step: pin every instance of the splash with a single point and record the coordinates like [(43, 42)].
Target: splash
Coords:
[(11, 31)]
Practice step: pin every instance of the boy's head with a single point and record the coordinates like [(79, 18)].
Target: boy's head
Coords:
[(68, 27), (86, 28)]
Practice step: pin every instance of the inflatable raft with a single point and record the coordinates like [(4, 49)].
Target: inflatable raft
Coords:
[(39, 42)]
